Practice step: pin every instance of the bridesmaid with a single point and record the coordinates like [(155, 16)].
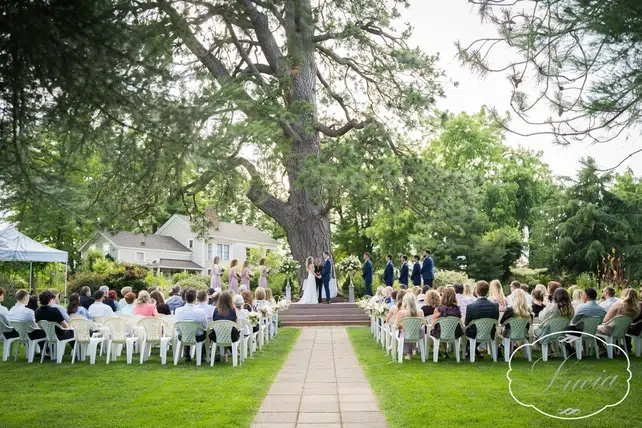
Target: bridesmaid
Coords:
[(217, 272), (246, 275), (233, 278), (263, 274)]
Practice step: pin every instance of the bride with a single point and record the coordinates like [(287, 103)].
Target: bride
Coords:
[(309, 285)]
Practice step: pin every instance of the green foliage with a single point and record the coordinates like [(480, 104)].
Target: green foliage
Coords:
[(449, 277), (193, 283), (127, 275), (180, 276), (89, 279), (527, 275), (162, 281), (586, 280)]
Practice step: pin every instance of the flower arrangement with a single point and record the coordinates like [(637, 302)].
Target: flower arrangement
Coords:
[(265, 310), (289, 267), (253, 318), (381, 309), (283, 305), (349, 265)]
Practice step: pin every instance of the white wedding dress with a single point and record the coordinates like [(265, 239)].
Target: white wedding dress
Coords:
[(309, 289)]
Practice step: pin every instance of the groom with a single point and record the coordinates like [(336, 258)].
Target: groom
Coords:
[(326, 273)]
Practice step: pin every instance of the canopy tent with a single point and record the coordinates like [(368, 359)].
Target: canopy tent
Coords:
[(15, 246)]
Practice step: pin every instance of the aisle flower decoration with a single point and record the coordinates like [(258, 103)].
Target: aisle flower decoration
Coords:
[(253, 318), (265, 311), (290, 268)]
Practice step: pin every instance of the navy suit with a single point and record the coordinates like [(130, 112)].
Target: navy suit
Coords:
[(326, 273), (403, 275), (416, 274), (389, 274), (427, 271), (480, 308), (367, 276)]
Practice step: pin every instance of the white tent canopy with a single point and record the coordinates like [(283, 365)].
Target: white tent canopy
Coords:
[(17, 247), (14, 246)]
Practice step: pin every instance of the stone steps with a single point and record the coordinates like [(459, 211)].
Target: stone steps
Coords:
[(323, 315)]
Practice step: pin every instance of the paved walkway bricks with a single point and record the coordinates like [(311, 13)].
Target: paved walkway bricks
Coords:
[(321, 385)]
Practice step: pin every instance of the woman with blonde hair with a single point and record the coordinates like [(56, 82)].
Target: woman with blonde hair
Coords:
[(496, 294), (393, 311), (431, 301), (628, 305), (468, 289), (379, 293), (263, 273), (144, 305), (578, 297), (440, 290), (408, 309), (217, 272), (518, 309), (542, 288), (268, 295)]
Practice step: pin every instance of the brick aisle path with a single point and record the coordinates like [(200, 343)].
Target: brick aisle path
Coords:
[(321, 385)]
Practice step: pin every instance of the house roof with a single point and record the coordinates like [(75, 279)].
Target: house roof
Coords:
[(237, 231), (177, 264), (149, 242)]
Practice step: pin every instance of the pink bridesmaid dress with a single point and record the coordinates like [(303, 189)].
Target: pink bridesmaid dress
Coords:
[(245, 277), (233, 283), (216, 277), (263, 277)]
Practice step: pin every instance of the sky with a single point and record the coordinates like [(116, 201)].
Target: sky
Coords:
[(438, 25)]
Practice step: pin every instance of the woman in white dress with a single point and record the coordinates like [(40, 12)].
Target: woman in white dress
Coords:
[(309, 285)]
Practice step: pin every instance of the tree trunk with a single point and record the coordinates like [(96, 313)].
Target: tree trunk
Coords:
[(308, 236)]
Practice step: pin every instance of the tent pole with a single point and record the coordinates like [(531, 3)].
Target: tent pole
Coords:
[(66, 266), (31, 276)]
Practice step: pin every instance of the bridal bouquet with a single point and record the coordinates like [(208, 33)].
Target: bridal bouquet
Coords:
[(253, 318), (349, 265), (289, 267)]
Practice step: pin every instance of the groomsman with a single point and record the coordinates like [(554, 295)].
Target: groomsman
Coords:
[(389, 272), (427, 269), (403, 272), (367, 273), (416, 271)]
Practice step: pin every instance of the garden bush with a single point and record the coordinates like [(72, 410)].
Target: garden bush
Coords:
[(89, 279), (449, 277), (128, 275), (180, 276), (528, 276), (193, 283)]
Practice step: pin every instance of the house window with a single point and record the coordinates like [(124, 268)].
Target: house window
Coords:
[(247, 253), (106, 248), (190, 244), (140, 257), (210, 248), (223, 251)]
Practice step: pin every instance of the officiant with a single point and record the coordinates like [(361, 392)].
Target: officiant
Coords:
[(317, 277)]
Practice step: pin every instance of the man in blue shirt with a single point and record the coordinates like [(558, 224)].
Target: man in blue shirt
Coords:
[(192, 312), (590, 308)]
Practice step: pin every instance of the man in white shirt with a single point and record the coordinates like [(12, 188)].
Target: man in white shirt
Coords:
[(610, 299), (3, 310), (192, 312), (202, 299), (21, 313), (56, 304), (98, 308)]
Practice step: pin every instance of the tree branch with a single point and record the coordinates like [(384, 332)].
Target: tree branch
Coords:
[(350, 125)]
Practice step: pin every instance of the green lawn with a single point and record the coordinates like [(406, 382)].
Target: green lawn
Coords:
[(118, 395), (416, 394)]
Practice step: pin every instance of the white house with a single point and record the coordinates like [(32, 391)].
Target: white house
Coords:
[(175, 247)]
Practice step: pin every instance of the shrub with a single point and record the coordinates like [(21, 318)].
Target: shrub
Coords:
[(359, 286), (449, 277), (161, 282), (127, 275), (89, 279), (586, 280), (528, 276), (179, 277), (193, 283)]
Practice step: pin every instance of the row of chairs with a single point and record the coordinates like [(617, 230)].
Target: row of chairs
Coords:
[(136, 334), (387, 334)]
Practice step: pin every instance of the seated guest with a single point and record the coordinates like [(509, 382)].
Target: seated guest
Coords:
[(47, 312), (519, 309), (560, 307), (239, 305), (589, 308), (526, 290), (210, 294), (21, 313), (33, 303), (483, 307), (144, 305), (578, 298), (609, 298), (268, 295), (447, 308), (379, 293), (408, 309), (247, 305), (128, 309), (191, 312), (537, 304), (113, 296), (107, 300), (74, 308), (174, 300), (122, 302), (260, 298), (388, 299), (3, 310), (56, 304), (85, 297), (635, 328), (201, 298), (552, 286), (392, 314), (215, 297), (161, 306), (98, 308), (628, 306), (391, 301), (462, 300), (431, 301), (542, 288), (496, 294), (512, 287), (440, 290), (225, 311)]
